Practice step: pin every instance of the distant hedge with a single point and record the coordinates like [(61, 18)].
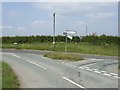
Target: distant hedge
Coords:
[(97, 40)]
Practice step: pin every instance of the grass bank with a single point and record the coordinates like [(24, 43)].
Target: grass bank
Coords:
[(9, 79), (63, 56), (110, 50)]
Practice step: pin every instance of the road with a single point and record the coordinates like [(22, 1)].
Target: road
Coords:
[(35, 71)]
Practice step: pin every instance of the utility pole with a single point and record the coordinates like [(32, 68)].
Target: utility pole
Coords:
[(53, 28), (86, 30), (66, 43)]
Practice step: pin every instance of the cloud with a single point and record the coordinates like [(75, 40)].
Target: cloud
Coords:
[(99, 16), (72, 7)]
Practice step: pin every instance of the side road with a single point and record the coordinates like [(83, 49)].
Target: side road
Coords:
[(43, 51)]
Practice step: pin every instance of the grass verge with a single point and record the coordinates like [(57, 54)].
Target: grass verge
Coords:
[(9, 79), (63, 56), (86, 48)]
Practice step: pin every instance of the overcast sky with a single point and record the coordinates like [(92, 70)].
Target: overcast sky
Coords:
[(36, 18)]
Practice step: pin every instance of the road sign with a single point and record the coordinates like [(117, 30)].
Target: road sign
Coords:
[(70, 37), (67, 33)]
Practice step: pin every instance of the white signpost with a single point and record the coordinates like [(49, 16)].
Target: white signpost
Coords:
[(68, 34)]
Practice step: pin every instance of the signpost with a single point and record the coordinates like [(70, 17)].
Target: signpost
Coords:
[(68, 34)]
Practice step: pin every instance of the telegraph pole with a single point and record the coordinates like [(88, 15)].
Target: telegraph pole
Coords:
[(66, 43), (53, 28), (86, 30)]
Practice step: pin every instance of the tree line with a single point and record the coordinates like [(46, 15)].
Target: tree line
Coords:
[(97, 40)]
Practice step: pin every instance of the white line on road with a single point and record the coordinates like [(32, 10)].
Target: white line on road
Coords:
[(28, 61), (89, 69), (15, 55), (36, 64), (89, 64), (117, 77), (97, 72), (102, 71), (106, 74), (114, 74), (73, 82), (81, 67)]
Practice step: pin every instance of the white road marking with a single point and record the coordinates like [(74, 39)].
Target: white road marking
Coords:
[(114, 74), (117, 77), (97, 72), (102, 71), (36, 64), (15, 55), (106, 74), (28, 61), (81, 67), (90, 64), (89, 69), (73, 82)]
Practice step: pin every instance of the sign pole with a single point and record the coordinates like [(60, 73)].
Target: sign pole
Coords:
[(66, 44)]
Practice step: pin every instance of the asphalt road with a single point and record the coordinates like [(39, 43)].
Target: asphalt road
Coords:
[(36, 71)]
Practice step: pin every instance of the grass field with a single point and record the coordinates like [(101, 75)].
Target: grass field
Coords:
[(0, 75), (63, 56), (9, 79), (111, 50)]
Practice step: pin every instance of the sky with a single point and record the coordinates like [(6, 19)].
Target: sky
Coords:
[(36, 18)]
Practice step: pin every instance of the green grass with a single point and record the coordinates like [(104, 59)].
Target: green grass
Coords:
[(110, 50), (9, 79), (0, 75), (63, 56)]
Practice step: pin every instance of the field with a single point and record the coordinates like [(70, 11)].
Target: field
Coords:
[(9, 79), (0, 75), (109, 49)]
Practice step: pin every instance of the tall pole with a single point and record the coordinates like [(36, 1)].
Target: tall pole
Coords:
[(53, 28), (86, 30), (66, 43)]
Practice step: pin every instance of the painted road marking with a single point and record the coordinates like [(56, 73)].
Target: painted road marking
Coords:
[(90, 64), (97, 72), (114, 74), (100, 72), (103, 71), (106, 74), (73, 82), (28, 61), (15, 55), (36, 64), (81, 67), (89, 69), (117, 77)]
